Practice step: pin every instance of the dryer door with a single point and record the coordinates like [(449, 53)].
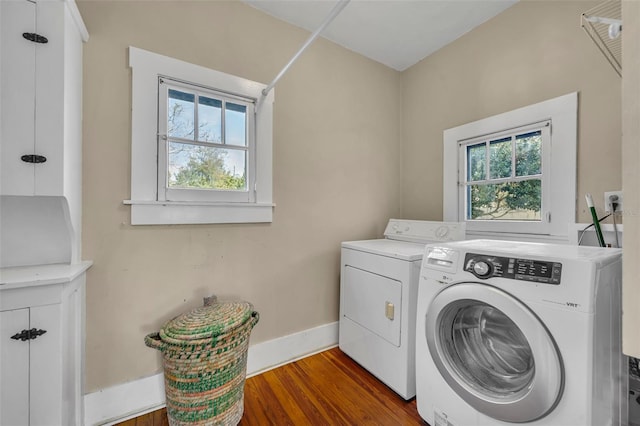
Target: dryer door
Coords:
[(494, 352)]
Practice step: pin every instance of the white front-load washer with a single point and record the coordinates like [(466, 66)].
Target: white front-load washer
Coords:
[(520, 333), (378, 291)]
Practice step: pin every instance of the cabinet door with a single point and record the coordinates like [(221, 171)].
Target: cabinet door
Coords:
[(45, 368), (17, 68), (30, 372), (52, 108), (14, 369)]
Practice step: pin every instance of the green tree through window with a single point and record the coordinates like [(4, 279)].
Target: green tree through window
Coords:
[(198, 157), (206, 169), (504, 178)]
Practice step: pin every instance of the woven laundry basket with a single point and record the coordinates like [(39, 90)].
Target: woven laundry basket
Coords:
[(205, 363)]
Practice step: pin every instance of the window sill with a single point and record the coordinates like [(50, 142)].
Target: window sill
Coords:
[(183, 213), (512, 236), (574, 231)]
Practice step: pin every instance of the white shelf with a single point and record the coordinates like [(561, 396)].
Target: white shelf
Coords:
[(40, 275)]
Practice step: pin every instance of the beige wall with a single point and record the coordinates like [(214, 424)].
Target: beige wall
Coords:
[(336, 177), (533, 51), (631, 176), (354, 144)]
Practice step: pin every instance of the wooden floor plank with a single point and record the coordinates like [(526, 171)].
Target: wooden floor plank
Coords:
[(254, 412), (276, 410), (160, 418), (361, 388), (368, 384), (328, 388), (354, 403), (298, 390)]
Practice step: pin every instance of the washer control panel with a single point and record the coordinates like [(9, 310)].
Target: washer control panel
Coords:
[(483, 267)]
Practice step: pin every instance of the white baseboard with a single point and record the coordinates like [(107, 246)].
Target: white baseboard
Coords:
[(131, 399), (117, 403)]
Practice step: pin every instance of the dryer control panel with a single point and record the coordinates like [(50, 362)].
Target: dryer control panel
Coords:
[(483, 267), (423, 231)]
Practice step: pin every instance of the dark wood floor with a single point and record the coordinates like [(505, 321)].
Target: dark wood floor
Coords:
[(324, 389)]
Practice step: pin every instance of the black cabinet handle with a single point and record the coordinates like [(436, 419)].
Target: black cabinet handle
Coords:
[(25, 335), (33, 158), (36, 38)]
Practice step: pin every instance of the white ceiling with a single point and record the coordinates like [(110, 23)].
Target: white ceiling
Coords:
[(397, 33)]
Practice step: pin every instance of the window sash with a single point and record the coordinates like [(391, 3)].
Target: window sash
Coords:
[(464, 183), (167, 193), (513, 174)]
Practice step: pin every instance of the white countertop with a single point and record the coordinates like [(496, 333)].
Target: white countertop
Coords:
[(38, 275)]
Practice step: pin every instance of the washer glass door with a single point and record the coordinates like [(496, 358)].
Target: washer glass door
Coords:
[(494, 352)]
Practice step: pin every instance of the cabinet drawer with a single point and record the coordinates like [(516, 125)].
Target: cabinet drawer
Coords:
[(30, 296)]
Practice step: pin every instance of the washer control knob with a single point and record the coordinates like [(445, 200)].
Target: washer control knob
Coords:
[(481, 268), (442, 231)]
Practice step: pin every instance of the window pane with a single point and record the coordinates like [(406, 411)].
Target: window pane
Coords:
[(505, 201), (180, 116), (476, 159), (235, 124), (500, 158), (196, 166), (529, 154), (209, 119)]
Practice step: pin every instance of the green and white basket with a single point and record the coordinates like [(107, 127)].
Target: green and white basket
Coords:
[(205, 363)]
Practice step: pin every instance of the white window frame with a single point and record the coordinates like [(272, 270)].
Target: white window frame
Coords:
[(148, 206), (559, 168)]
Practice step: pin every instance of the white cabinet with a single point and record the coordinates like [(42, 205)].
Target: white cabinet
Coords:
[(41, 306), (41, 102), (41, 344)]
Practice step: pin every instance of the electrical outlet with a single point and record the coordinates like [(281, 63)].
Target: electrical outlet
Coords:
[(607, 201)]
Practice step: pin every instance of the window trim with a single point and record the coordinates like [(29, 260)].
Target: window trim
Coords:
[(146, 208), (563, 114)]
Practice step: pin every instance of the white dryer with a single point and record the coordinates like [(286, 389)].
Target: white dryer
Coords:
[(520, 333), (378, 291)]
